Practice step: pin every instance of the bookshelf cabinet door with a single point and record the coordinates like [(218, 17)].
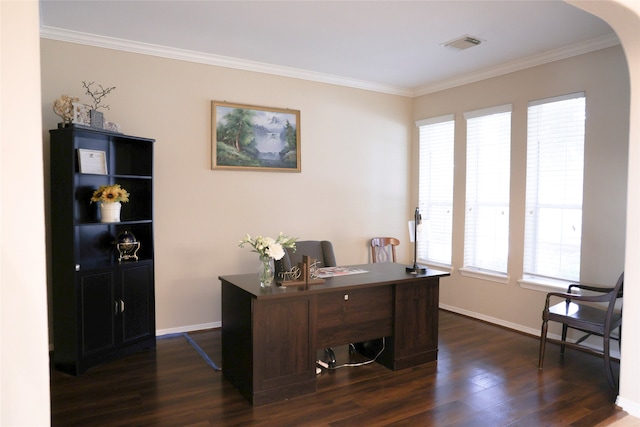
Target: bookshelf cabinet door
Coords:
[(98, 311), (136, 282)]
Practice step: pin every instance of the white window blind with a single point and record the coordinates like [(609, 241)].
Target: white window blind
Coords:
[(555, 169), (486, 235), (435, 198)]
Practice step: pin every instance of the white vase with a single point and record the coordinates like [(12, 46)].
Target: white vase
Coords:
[(110, 212)]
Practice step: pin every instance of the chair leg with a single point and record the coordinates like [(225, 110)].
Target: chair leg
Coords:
[(564, 337), (607, 361), (543, 342), (620, 337)]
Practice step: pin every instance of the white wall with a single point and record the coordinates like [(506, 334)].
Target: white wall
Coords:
[(352, 186), (24, 345), (624, 18), (604, 78)]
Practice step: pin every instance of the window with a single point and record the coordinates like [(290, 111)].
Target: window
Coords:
[(486, 235), (435, 199), (555, 169)]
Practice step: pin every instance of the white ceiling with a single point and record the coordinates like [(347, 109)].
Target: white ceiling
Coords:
[(388, 46)]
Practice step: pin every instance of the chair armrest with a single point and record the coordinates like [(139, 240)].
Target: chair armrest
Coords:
[(573, 297), (589, 288)]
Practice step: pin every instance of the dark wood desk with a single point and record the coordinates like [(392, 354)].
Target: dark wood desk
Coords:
[(270, 336)]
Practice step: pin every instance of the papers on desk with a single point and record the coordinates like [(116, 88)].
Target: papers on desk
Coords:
[(325, 272)]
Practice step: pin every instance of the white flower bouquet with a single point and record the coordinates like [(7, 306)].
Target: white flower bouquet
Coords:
[(268, 247)]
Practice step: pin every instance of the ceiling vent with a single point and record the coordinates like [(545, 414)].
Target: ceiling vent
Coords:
[(462, 43)]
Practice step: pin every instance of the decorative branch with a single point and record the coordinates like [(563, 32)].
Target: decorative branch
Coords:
[(97, 95)]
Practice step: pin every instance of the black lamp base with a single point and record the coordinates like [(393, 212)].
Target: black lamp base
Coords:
[(416, 269)]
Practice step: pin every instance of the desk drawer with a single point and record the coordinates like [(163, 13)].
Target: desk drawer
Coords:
[(354, 315)]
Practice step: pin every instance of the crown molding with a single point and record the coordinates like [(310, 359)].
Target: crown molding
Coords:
[(215, 60), (522, 64), (260, 67)]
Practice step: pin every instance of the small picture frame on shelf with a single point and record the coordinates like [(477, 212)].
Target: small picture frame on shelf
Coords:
[(112, 127), (81, 114), (92, 161)]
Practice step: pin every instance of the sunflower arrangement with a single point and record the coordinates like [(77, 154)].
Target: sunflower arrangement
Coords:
[(110, 194)]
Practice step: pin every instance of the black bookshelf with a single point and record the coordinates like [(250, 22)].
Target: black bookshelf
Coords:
[(103, 309)]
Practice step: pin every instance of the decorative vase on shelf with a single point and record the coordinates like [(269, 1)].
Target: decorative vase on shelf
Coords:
[(110, 212), (97, 119), (266, 271)]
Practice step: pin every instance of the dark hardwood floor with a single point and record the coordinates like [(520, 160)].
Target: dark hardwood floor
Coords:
[(485, 376)]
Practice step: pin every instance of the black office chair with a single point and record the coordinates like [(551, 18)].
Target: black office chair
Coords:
[(319, 250), (585, 318)]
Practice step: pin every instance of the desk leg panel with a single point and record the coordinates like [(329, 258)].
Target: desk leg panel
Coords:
[(237, 345), (415, 338), (282, 341), (267, 345)]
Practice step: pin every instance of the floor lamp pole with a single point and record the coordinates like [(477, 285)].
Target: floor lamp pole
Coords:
[(415, 268)]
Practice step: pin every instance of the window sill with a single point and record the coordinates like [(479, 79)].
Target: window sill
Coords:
[(544, 284), (436, 266), (484, 275)]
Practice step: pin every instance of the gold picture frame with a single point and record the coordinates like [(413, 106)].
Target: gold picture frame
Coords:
[(247, 137)]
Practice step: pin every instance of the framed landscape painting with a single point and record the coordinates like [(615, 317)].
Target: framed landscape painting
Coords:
[(246, 137)]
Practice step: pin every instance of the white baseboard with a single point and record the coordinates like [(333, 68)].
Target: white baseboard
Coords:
[(188, 328), (630, 407), (489, 319), (591, 342), (178, 330)]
